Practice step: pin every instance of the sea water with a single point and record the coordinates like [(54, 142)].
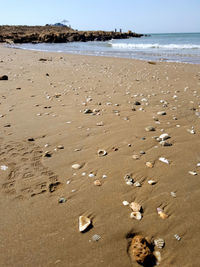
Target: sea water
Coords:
[(172, 47)]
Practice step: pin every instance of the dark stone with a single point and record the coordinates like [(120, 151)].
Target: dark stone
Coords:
[(4, 78)]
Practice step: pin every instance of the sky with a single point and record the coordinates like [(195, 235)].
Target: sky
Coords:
[(142, 16)]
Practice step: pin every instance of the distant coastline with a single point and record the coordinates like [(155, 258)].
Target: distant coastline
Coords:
[(56, 34)]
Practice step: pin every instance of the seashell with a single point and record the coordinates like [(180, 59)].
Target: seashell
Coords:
[(164, 137), (137, 184), (91, 175), (87, 111), (100, 123), (192, 131), (149, 164), (97, 183), (198, 164), (104, 176), (157, 255), (135, 157), (47, 154), (173, 194), (62, 200), (125, 203), (162, 113), (151, 182), (84, 222), (177, 237), (101, 152), (164, 160), (136, 215), (129, 183), (60, 147), (159, 243), (192, 173), (162, 214), (150, 129), (96, 237), (4, 167), (139, 250), (76, 166), (164, 143), (135, 206), (128, 179)]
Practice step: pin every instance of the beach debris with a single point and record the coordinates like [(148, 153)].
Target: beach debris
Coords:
[(87, 111), (157, 255), (137, 184), (135, 206), (4, 167), (62, 200), (162, 113), (137, 103), (31, 139), (84, 222), (192, 131), (152, 182), (192, 173), (173, 194), (164, 143), (164, 160), (177, 237), (47, 154), (104, 176), (163, 137), (159, 243), (198, 164), (136, 215), (162, 214), (91, 175), (76, 166), (149, 164), (135, 156), (128, 179), (142, 152), (125, 203), (3, 78), (96, 237), (60, 147), (139, 250), (97, 183), (150, 129), (101, 152), (100, 123)]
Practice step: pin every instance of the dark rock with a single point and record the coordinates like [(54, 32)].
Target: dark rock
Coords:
[(137, 103), (4, 78)]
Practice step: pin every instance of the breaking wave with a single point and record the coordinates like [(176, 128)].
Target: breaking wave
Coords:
[(156, 46)]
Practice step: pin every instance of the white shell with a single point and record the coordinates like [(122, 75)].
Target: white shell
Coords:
[(157, 255), (76, 166), (137, 184), (125, 203), (192, 173), (151, 182), (164, 137), (136, 215), (159, 243), (101, 152), (135, 206), (177, 237), (164, 160), (4, 167), (84, 222)]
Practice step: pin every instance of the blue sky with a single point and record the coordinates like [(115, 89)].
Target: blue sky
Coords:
[(144, 16)]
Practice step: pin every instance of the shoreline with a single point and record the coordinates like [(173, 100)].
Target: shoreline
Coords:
[(45, 129)]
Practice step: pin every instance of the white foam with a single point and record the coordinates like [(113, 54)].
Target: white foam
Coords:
[(156, 45)]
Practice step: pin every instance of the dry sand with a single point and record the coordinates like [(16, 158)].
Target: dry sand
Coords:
[(36, 230)]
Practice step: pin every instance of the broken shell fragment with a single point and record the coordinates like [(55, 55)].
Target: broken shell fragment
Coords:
[(157, 255), (149, 164), (192, 173), (76, 166), (135, 206), (151, 182), (136, 215), (125, 203), (101, 152), (164, 160), (150, 129), (162, 214), (135, 157), (159, 243), (84, 222), (97, 183)]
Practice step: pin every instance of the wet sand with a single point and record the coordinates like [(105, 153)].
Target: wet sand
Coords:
[(42, 107)]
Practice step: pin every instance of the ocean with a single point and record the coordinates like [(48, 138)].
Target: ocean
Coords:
[(172, 47)]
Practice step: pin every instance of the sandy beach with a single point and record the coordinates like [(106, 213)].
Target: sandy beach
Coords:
[(57, 110)]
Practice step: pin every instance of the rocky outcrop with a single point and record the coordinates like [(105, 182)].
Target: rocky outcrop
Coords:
[(53, 34)]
